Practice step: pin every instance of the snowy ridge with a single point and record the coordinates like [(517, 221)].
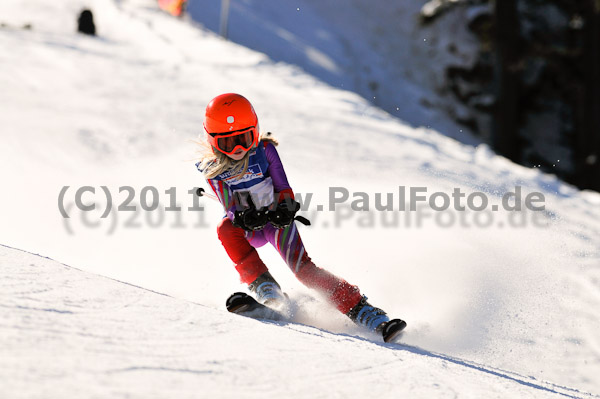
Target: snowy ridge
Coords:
[(92, 336)]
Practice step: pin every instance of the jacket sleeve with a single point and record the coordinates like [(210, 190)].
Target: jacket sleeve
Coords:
[(224, 194), (280, 183)]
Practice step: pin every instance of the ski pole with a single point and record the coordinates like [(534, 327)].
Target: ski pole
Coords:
[(200, 192)]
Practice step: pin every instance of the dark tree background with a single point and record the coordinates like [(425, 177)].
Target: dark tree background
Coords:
[(508, 52), (588, 148), (566, 57), (539, 63)]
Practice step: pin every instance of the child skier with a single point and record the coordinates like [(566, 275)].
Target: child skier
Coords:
[(245, 172)]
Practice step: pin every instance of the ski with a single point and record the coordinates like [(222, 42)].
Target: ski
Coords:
[(392, 330), (243, 304)]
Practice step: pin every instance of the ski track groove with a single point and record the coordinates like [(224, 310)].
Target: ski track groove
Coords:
[(508, 375)]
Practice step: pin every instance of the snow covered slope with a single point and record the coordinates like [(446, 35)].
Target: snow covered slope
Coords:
[(375, 48), (71, 334), (122, 109)]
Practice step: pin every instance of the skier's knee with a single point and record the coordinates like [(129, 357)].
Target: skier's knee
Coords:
[(225, 229), (313, 276)]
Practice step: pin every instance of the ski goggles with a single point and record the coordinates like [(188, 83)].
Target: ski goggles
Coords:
[(230, 142)]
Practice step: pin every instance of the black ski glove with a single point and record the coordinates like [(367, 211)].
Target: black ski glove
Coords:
[(284, 214), (238, 220), (250, 219)]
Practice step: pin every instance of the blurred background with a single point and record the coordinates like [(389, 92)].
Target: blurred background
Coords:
[(520, 75)]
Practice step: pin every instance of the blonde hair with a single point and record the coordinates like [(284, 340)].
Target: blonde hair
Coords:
[(213, 162)]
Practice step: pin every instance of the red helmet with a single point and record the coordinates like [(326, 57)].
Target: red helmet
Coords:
[(231, 123)]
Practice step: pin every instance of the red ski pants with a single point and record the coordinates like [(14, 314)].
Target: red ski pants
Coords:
[(241, 248)]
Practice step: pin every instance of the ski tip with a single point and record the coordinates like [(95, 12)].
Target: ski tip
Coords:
[(392, 330), (245, 305), (236, 301)]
